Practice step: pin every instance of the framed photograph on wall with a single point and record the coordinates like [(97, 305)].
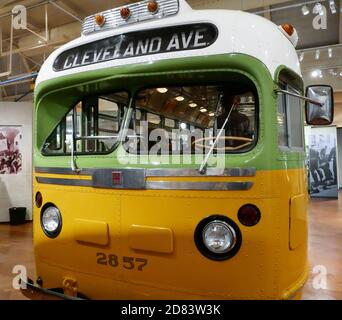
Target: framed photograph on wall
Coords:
[(322, 161), (10, 149)]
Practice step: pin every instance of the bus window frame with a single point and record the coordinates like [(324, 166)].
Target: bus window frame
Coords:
[(130, 109), (286, 99), (115, 145)]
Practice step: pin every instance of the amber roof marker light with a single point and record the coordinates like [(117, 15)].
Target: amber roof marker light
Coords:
[(153, 6), (125, 13), (100, 20), (288, 28), (290, 32)]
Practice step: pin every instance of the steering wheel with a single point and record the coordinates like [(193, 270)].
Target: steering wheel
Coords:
[(248, 141)]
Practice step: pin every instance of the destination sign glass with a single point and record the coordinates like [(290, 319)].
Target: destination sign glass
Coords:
[(139, 43)]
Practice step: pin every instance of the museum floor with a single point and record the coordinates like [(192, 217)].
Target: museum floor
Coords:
[(325, 250)]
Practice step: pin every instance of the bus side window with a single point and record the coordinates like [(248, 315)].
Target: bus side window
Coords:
[(95, 117), (290, 120)]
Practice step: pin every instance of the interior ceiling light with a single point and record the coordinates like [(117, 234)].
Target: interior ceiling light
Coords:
[(211, 114), (301, 57), (203, 110), (305, 10), (317, 55), (192, 105), (180, 98), (162, 90), (330, 53), (332, 6), (318, 9)]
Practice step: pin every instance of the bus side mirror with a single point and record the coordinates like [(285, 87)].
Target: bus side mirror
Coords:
[(320, 115)]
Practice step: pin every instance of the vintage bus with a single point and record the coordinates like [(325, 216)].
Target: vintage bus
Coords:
[(169, 158)]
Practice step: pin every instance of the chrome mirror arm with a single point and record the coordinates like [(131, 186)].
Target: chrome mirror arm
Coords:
[(281, 91)]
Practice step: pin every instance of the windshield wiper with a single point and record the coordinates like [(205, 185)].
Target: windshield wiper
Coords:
[(203, 168)]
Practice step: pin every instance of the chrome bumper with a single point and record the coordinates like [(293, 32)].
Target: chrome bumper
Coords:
[(34, 292)]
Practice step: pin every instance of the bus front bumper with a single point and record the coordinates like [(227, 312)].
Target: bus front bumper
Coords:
[(34, 292)]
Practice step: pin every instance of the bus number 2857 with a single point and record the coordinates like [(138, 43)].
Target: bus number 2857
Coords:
[(129, 263)]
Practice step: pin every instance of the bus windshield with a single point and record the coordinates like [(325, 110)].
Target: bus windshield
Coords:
[(188, 118)]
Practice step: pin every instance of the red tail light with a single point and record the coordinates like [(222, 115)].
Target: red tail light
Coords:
[(249, 215), (39, 199)]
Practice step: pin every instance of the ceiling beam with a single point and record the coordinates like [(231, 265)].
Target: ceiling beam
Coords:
[(7, 9), (233, 4), (72, 8)]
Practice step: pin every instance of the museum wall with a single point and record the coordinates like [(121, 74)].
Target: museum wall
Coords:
[(15, 157)]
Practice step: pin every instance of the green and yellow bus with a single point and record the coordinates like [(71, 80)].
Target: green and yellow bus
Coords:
[(169, 157)]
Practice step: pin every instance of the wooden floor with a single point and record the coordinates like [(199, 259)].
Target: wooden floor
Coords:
[(325, 251)]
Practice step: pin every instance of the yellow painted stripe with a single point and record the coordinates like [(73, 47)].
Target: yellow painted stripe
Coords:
[(63, 176)]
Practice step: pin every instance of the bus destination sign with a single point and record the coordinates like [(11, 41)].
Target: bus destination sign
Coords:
[(139, 43)]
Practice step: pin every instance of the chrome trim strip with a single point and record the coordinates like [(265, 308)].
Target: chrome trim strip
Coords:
[(65, 182), (211, 172), (205, 186), (64, 171), (151, 185)]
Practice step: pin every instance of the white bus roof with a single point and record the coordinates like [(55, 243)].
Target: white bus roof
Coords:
[(238, 32)]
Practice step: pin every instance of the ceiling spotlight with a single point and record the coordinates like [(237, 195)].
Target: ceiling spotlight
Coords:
[(317, 55), (305, 10), (180, 98), (332, 6), (318, 9), (192, 105), (330, 53), (162, 90), (211, 114), (317, 74), (333, 72), (301, 57), (203, 110)]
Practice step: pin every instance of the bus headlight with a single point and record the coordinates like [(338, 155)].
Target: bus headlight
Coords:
[(218, 237), (51, 221)]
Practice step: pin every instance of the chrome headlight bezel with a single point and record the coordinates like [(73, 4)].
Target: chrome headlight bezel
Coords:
[(51, 233), (225, 222)]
